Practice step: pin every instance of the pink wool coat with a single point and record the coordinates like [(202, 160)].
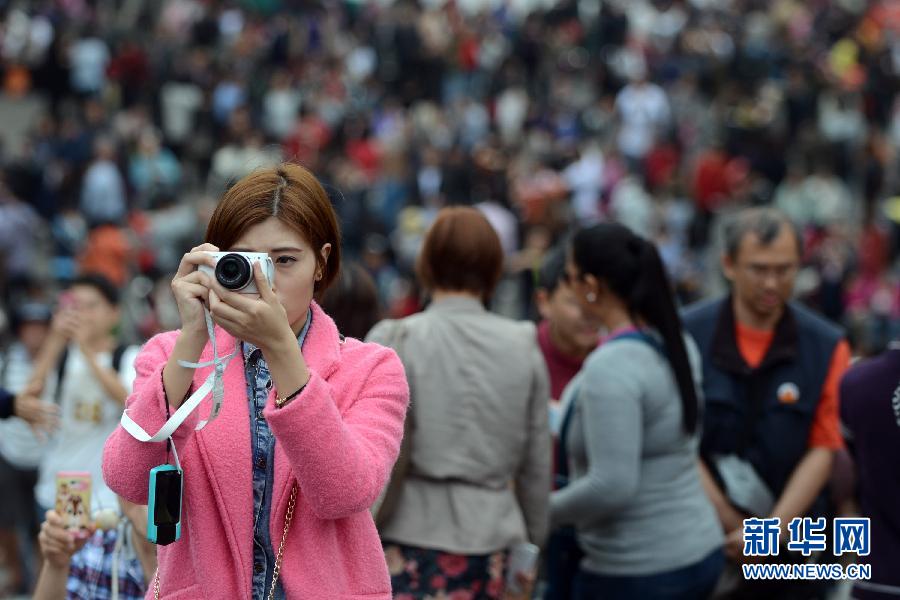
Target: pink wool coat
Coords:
[(338, 439)]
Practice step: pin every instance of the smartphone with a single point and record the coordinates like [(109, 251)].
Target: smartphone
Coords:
[(164, 505), (73, 499), (522, 559)]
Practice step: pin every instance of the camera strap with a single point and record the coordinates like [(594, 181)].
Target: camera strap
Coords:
[(213, 384)]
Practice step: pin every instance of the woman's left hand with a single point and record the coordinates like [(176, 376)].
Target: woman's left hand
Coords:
[(261, 321), (526, 583)]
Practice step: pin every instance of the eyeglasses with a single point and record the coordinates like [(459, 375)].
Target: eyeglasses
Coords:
[(779, 272)]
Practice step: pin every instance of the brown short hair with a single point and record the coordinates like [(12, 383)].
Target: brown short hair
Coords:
[(295, 197), (461, 252)]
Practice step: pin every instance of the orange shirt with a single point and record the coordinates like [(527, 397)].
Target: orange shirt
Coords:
[(107, 252), (825, 432)]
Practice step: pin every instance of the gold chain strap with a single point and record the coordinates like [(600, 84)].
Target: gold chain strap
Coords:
[(275, 572), (287, 525)]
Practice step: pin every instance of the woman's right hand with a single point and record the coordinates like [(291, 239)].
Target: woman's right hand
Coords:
[(191, 288)]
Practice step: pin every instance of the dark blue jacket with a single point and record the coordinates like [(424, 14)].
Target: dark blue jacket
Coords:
[(742, 411), (6, 404)]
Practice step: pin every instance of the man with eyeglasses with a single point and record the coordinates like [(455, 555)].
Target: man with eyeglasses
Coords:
[(771, 370)]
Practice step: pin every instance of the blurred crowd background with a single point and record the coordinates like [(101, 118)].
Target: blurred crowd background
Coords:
[(124, 121)]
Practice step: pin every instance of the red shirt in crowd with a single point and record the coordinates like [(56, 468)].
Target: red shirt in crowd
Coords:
[(562, 367)]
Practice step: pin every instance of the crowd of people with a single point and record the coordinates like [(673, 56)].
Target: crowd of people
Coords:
[(745, 152), (662, 115)]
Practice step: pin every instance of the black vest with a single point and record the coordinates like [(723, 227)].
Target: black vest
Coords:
[(763, 415)]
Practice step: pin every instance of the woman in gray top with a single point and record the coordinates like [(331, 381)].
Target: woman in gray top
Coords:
[(630, 432), (478, 475)]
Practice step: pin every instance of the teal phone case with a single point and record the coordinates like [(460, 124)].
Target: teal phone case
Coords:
[(166, 532)]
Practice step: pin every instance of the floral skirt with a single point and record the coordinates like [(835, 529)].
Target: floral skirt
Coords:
[(422, 574)]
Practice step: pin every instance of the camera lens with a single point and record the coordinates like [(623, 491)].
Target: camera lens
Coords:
[(233, 271)]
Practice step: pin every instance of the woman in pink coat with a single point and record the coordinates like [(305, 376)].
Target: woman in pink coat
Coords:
[(309, 428)]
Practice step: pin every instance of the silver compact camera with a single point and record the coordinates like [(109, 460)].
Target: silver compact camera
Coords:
[(234, 270)]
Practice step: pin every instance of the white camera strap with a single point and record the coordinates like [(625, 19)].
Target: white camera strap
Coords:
[(213, 383)]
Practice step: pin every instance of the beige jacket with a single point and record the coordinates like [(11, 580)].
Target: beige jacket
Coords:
[(479, 475)]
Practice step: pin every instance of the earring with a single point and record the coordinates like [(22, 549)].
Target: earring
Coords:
[(318, 276), (591, 297)]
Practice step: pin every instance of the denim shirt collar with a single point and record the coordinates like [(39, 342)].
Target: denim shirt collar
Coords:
[(248, 349)]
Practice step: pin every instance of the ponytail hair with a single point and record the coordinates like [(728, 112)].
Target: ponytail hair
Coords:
[(633, 270)]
